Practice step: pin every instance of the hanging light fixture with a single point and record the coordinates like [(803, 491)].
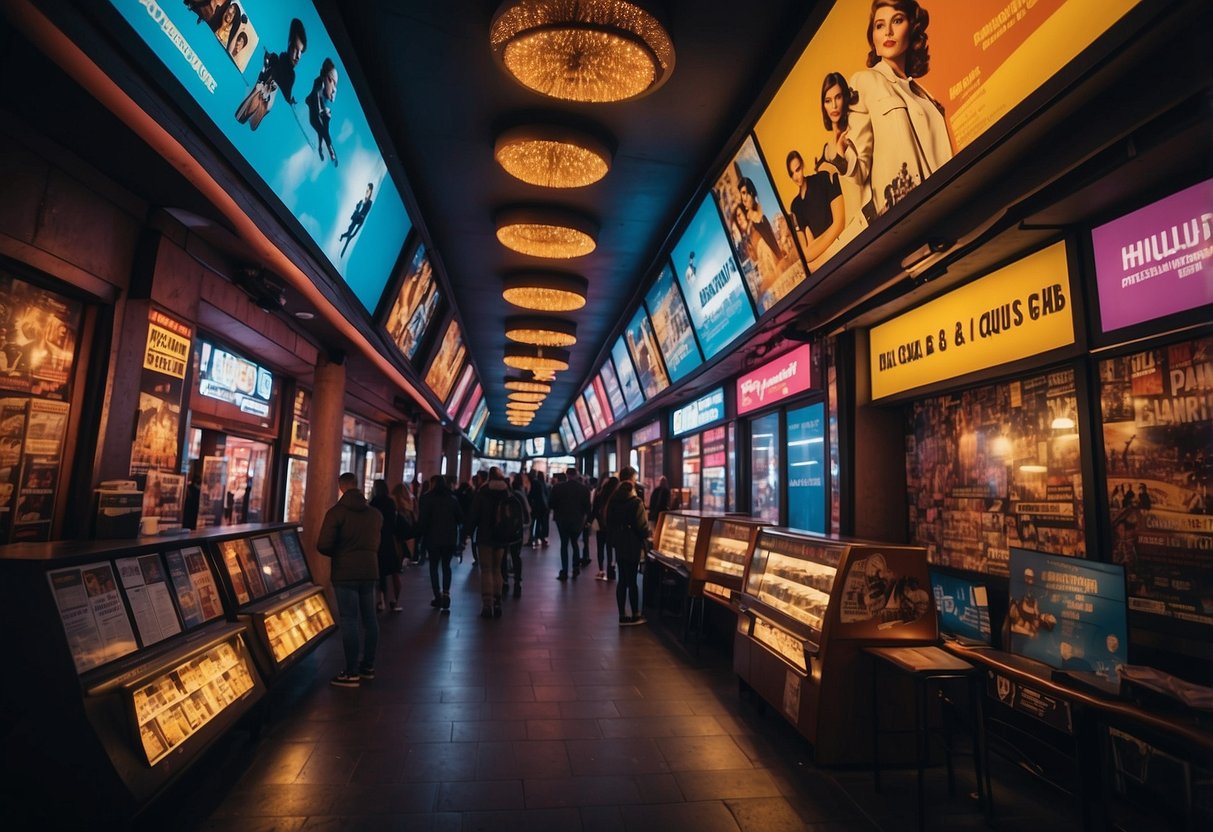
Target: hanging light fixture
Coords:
[(524, 406), (540, 330), (546, 291), (552, 156), (516, 396), (582, 50), (526, 357), (546, 232), (526, 385), (544, 375)]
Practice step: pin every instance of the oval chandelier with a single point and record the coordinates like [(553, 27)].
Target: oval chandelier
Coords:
[(523, 406), (582, 50), (546, 232), (546, 291), (551, 156), (540, 330), (517, 396), (522, 384), (542, 359)]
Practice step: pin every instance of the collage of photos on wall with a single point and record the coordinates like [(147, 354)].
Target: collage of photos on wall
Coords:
[(38, 339), (1157, 408), (996, 467)]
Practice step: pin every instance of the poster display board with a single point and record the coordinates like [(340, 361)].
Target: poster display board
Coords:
[(414, 306), (447, 361), (646, 355), (672, 325), (194, 586), (715, 294), (632, 394), (94, 619)]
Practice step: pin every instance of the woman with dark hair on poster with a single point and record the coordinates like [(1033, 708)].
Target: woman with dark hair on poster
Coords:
[(897, 130), (324, 91)]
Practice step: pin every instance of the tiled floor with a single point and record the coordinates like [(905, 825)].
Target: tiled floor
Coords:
[(552, 717)]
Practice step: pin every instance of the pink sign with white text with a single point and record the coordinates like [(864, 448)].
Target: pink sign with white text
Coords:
[(780, 379)]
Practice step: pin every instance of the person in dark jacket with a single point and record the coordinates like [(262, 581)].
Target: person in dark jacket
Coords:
[(350, 536), (489, 546), (439, 520), (628, 528), (570, 503), (659, 501), (389, 552), (605, 553), (514, 550), (540, 510)]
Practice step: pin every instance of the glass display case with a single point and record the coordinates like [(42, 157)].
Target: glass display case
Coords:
[(677, 539), (294, 625), (808, 606), (730, 542)]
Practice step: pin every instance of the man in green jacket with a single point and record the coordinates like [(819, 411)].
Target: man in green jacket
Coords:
[(350, 536)]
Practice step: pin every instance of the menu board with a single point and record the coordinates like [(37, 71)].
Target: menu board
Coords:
[(414, 306), (646, 355), (614, 392), (146, 584), (94, 620), (994, 467), (290, 555), (1158, 455), (1068, 613), (632, 394), (672, 325), (267, 560), (762, 238), (194, 585), (711, 282), (447, 362)]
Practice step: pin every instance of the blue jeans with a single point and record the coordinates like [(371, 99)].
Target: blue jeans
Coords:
[(356, 600)]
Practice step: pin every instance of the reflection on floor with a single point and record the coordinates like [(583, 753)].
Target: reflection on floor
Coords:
[(552, 717)]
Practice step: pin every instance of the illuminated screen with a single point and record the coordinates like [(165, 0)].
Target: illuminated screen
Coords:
[(646, 355), (806, 468), (711, 281), (583, 417), (985, 57), (632, 394), (766, 252), (672, 325), (299, 126), (415, 305), (1068, 612), (613, 390), (478, 420), (566, 435), (962, 605), (578, 431), (465, 381), (465, 417), (604, 405), (594, 406), (235, 380), (446, 363)]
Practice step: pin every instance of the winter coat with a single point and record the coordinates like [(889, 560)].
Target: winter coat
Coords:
[(627, 526), (441, 517), (350, 536), (570, 503), (389, 552), (484, 511)]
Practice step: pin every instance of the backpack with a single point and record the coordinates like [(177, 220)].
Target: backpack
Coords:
[(507, 520)]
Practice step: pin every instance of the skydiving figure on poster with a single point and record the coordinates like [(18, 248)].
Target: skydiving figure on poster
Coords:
[(319, 115), (278, 73), (358, 217)]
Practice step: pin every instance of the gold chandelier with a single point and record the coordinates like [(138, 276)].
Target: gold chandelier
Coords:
[(522, 406), (517, 396), (540, 330), (526, 385), (551, 156), (546, 232), (546, 291), (582, 50), (541, 359)]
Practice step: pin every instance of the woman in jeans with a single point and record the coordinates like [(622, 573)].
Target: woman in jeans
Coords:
[(439, 522)]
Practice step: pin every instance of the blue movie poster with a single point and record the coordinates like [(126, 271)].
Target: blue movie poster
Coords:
[(963, 606), (806, 468), (268, 76), (627, 375), (1068, 612), (672, 325), (614, 393), (642, 344), (711, 281)]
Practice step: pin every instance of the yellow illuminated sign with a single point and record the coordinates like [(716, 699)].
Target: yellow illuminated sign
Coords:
[(1016, 312), (167, 352)]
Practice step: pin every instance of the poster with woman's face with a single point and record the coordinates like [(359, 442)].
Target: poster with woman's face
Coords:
[(885, 95)]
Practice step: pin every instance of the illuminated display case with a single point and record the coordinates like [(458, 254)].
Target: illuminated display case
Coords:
[(677, 540), (730, 542), (294, 624), (807, 607)]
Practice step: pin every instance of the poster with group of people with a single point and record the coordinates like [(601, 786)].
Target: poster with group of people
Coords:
[(267, 74), (995, 467)]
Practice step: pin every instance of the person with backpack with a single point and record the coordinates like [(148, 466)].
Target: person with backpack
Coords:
[(439, 522), (494, 516), (627, 526), (515, 548)]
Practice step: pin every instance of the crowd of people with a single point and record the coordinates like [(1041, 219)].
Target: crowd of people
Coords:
[(494, 517)]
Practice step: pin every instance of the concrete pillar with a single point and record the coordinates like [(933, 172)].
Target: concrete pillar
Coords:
[(465, 463), (450, 449), (323, 459), (429, 448), (397, 448)]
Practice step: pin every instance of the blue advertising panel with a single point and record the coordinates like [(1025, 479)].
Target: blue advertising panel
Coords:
[(479, 418), (672, 325), (963, 607), (711, 282), (578, 433), (566, 435), (1068, 612), (642, 344), (269, 77), (614, 394), (703, 411), (627, 375), (806, 468)]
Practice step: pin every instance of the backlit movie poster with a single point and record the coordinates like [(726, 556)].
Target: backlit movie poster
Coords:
[(995, 467), (268, 76), (884, 96), (1158, 450), (760, 233), (414, 306), (632, 394), (37, 340), (447, 362), (711, 283), (672, 325), (642, 343)]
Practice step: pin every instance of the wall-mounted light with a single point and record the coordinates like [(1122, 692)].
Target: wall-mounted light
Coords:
[(554, 233), (540, 330), (552, 156), (588, 50), (546, 291)]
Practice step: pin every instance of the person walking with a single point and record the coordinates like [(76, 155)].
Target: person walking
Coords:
[(605, 553), (570, 503), (515, 548), (628, 529), (350, 536), (492, 538), (406, 519), (540, 510), (390, 559), (439, 520)]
